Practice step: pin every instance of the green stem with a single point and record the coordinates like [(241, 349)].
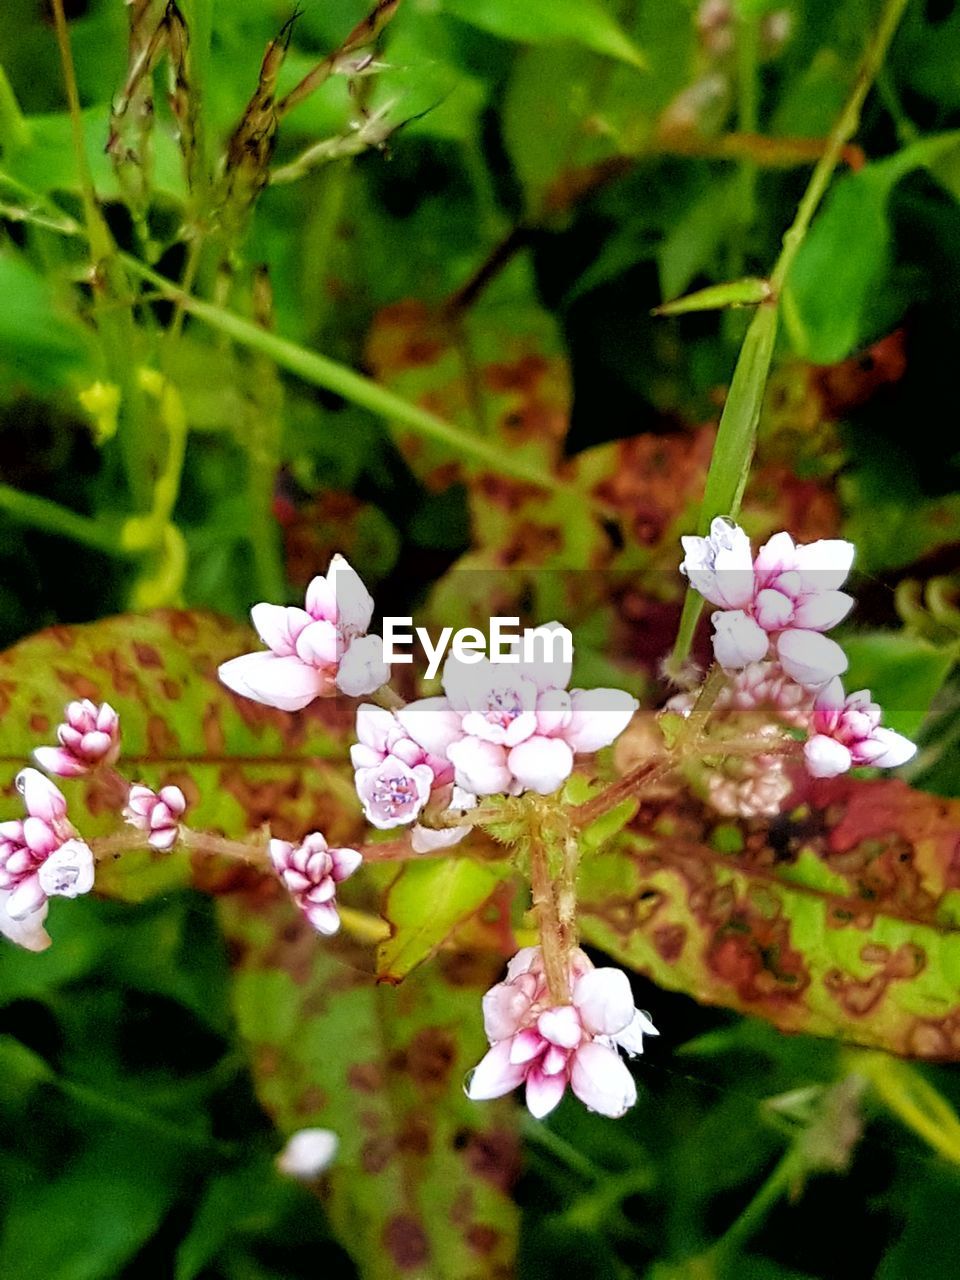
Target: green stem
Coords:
[(736, 434), (552, 945), (748, 46), (752, 1217), (49, 516), (321, 371)]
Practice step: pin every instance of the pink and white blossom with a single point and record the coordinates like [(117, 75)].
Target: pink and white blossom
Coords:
[(88, 737), (157, 813), (41, 856), (427, 839), (394, 775), (547, 1047), (509, 727), (315, 651), (778, 604), (846, 731), (311, 871)]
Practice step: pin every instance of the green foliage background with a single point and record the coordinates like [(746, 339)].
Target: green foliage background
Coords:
[(556, 172)]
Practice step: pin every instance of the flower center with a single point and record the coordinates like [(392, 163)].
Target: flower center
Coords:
[(502, 706), (394, 795)]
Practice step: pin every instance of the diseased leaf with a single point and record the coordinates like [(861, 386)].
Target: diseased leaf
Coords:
[(422, 1180), (841, 918), (239, 764)]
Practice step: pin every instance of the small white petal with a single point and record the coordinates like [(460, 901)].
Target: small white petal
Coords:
[(599, 717), (286, 683), (551, 649), (27, 932), (601, 1081), (278, 626), (630, 1039), (810, 658), (432, 723), (354, 601), (604, 1000), (541, 764), (362, 669), (561, 1026), (738, 640), (824, 565), (68, 872), (825, 757), (41, 798), (822, 610), (895, 749), (308, 1153), (481, 767)]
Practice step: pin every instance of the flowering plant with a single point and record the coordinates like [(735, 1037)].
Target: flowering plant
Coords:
[(495, 754)]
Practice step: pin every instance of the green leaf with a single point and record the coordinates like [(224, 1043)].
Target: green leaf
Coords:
[(38, 339), (738, 293), (831, 296), (425, 904), (903, 672), (585, 22), (421, 1184), (851, 929)]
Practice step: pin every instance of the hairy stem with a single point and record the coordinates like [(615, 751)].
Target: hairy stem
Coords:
[(552, 943)]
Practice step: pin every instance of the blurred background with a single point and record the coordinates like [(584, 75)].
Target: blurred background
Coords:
[(480, 207)]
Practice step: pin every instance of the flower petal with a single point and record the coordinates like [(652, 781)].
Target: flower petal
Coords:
[(354, 601), (822, 610), (362, 669), (894, 749), (541, 764), (824, 564), (825, 757), (599, 717), (286, 683), (27, 932), (41, 798), (810, 658), (601, 1081), (738, 640), (481, 767), (604, 1000), (495, 1074), (561, 1026), (544, 1092), (432, 723), (308, 1153)]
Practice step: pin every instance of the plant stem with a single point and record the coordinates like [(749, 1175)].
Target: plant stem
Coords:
[(748, 1222), (736, 434), (321, 371), (51, 517), (552, 945)]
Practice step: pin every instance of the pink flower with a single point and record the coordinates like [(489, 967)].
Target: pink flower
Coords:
[(314, 651), (785, 598), (546, 1046), (41, 857), (157, 813), (90, 736), (765, 686), (514, 726), (311, 872), (394, 775), (847, 732)]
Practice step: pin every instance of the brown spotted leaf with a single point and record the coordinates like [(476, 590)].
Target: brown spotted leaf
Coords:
[(422, 1180), (840, 919), (240, 765)]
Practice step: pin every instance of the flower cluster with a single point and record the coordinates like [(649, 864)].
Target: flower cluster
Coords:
[(311, 871), (88, 737), (510, 728), (847, 731), (315, 651), (768, 634), (547, 1047), (41, 857), (781, 601)]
